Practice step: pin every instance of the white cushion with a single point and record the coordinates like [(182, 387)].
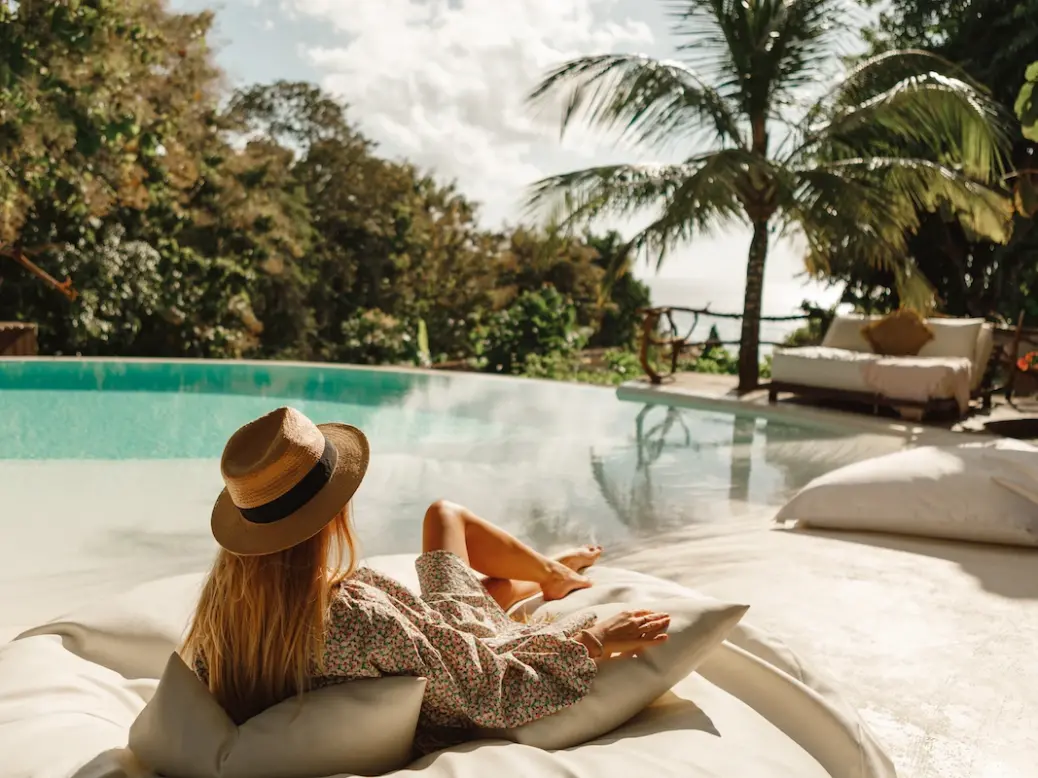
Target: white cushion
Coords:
[(845, 333), (823, 367), (363, 727), (953, 338), (622, 688), (129, 634), (697, 729), (956, 492)]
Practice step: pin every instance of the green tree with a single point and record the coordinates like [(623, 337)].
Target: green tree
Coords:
[(836, 171), (994, 41), (100, 102), (622, 295), (109, 137)]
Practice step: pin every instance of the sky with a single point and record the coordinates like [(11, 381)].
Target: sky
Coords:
[(442, 83)]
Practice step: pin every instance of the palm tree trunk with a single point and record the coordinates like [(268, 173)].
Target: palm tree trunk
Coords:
[(749, 340)]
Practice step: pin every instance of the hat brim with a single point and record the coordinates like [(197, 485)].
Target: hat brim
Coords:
[(246, 538)]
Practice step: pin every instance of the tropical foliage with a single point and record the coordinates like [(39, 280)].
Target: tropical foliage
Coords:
[(994, 42), (1026, 105), (901, 134), (192, 222)]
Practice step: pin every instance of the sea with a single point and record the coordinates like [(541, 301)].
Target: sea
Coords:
[(782, 298)]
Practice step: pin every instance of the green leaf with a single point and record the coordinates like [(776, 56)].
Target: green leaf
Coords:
[(1025, 195), (1026, 106)]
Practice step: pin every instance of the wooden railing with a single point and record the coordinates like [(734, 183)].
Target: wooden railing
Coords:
[(673, 344)]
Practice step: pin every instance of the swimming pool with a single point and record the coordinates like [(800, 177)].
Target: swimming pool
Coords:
[(108, 469)]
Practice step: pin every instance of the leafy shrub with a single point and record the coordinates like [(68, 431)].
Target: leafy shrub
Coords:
[(376, 338), (611, 369), (139, 299), (541, 322)]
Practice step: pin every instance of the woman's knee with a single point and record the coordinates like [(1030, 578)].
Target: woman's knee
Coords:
[(443, 528), (440, 513)]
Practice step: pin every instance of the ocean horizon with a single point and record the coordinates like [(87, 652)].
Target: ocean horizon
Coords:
[(784, 300)]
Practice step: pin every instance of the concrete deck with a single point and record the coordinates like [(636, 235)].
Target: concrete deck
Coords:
[(1016, 419)]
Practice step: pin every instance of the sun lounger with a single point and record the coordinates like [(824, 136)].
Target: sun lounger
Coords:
[(955, 367)]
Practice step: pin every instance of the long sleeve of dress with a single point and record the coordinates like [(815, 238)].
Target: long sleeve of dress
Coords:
[(493, 676)]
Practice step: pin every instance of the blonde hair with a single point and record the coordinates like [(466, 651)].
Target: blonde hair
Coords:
[(259, 627)]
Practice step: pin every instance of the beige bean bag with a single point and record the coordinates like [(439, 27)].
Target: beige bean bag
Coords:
[(70, 691)]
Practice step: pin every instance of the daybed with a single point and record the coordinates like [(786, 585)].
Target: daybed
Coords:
[(955, 366), (70, 691)]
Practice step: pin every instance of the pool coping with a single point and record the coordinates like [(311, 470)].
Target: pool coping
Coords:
[(819, 418)]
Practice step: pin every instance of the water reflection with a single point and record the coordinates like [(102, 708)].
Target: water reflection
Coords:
[(686, 466)]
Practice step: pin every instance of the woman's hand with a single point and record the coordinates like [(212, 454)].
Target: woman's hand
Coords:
[(626, 633)]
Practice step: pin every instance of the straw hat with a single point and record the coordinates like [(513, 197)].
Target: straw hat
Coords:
[(285, 478)]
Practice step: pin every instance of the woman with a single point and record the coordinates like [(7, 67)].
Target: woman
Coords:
[(286, 608)]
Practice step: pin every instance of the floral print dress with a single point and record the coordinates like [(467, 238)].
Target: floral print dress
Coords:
[(484, 669)]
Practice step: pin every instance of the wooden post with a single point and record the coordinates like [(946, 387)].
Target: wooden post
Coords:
[(1014, 356), (652, 318), (18, 339)]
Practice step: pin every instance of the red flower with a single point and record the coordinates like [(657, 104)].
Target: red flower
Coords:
[(1028, 361)]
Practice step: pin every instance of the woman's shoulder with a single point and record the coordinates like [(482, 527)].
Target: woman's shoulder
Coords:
[(368, 590)]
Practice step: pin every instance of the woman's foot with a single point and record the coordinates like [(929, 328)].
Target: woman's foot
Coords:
[(580, 558), (565, 578)]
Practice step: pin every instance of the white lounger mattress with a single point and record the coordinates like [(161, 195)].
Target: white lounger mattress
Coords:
[(937, 378), (70, 691)]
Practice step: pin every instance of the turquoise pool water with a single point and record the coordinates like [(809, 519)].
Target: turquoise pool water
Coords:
[(110, 467)]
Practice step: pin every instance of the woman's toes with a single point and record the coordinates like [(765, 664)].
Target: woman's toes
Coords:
[(580, 557)]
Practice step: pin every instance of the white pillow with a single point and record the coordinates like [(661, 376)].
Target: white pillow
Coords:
[(624, 687), (967, 492), (362, 727), (953, 338), (759, 669), (845, 332)]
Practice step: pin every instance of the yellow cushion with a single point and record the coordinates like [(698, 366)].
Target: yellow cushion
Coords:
[(901, 334)]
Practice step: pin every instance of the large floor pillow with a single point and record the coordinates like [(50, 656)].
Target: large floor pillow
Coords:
[(759, 669), (70, 691), (62, 716), (69, 718), (979, 492)]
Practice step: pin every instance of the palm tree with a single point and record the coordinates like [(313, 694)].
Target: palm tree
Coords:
[(902, 131)]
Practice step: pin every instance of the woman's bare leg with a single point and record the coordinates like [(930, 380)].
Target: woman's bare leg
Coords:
[(514, 570)]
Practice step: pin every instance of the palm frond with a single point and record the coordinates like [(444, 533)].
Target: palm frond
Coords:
[(863, 210), (760, 53), (691, 197), (928, 114), (877, 74), (921, 185), (642, 99)]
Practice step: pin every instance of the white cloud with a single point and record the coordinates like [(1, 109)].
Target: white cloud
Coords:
[(443, 82)]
